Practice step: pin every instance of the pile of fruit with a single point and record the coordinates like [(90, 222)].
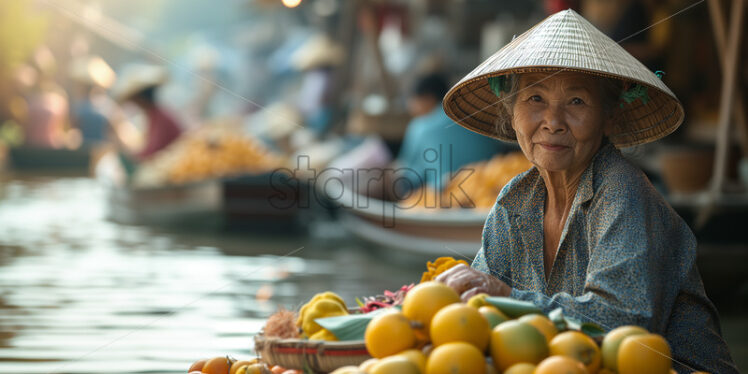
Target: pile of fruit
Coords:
[(427, 329), (228, 365), (204, 155), (481, 187), (436, 333)]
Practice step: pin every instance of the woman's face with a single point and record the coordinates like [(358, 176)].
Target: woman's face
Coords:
[(559, 120)]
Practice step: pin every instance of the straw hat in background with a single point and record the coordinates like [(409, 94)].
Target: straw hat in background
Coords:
[(92, 70), (136, 78), (318, 52), (565, 41)]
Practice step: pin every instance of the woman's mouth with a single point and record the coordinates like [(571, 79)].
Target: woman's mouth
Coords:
[(553, 147)]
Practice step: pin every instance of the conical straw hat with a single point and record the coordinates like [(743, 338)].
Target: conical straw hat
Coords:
[(137, 77), (92, 70), (566, 41)]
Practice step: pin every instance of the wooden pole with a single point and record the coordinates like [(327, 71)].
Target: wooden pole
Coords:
[(719, 30), (729, 77)]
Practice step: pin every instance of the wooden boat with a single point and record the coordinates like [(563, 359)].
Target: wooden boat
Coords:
[(431, 232), (167, 206), (47, 159)]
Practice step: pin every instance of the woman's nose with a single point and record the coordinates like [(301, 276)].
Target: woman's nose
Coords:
[(553, 120)]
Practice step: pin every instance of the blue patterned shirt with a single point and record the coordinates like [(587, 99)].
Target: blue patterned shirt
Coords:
[(624, 258)]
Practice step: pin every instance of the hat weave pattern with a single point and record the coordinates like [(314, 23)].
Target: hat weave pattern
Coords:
[(566, 41)]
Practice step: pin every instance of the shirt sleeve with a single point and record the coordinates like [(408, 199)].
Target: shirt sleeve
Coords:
[(493, 256), (631, 277)]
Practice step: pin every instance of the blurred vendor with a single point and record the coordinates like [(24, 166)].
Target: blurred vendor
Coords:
[(434, 145), (90, 112), (138, 85), (317, 60)]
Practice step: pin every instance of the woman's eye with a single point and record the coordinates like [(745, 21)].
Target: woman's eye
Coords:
[(577, 101), (536, 98)]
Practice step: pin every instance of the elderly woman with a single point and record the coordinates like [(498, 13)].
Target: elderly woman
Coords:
[(584, 229)]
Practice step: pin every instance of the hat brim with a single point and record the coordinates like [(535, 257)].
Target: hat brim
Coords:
[(473, 105)]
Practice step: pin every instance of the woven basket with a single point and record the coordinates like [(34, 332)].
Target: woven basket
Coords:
[(320, 356)]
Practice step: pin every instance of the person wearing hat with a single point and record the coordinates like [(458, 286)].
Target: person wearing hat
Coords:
[(92, 75), (433, 142), (138, 85), (584, 229)]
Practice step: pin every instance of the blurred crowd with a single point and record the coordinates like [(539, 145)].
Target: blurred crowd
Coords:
[(318, 77)]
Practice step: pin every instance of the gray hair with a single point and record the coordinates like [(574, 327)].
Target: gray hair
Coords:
[(609, 87)]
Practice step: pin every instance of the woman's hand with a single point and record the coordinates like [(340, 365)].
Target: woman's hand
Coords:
[(469, 282)]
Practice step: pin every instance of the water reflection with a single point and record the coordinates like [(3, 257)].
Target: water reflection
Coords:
[(79, 294)]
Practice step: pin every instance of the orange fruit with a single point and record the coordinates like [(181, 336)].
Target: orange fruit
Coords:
[(394, 365), (197, 365), (521, 368), (644, 354), (456, 358), (236, 365), (612, 342), (415, 356), (578, 346), (217, 365), (493, 315), (423, 301), (560, 365), (513, 342), (389, 333), (460, 323), (542, 323)]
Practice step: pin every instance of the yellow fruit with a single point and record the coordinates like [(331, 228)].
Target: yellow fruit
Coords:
[(366, 365), (456, 358), (322, 295), (257, 368), (542, 323), (521, 368), (513, 342), (324, 334), (612, 342), (415, 356), (320, 309), (493, 315), (578, 346), (560, 365), (394, 365), (644, 354), (347, 370), (423, 301), (460, 322), (236, 365), (478, 300), (389, 333)]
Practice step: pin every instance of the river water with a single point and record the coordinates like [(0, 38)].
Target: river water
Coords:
[(80, 294)]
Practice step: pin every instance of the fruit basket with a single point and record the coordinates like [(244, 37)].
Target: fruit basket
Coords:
[(317, 355)]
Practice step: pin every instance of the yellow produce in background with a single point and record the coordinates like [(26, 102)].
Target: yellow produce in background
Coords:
[(214, 151), (482, 186)]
